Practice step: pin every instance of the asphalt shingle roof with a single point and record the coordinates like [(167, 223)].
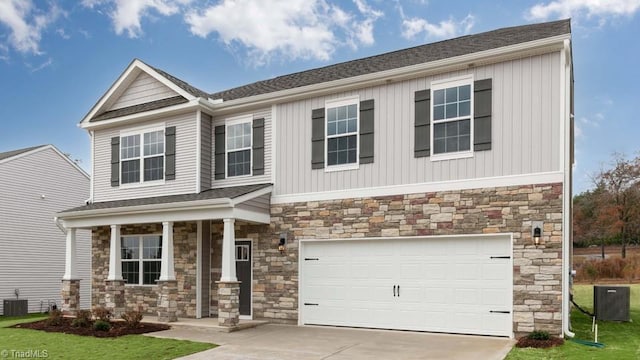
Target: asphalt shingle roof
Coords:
[(416, 55), (12, 153), (227, 192), (134, 109)]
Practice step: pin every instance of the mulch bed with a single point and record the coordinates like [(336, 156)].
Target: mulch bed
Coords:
[(526, 342), (118, 328)]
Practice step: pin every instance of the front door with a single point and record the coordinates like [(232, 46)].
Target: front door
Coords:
[(243, 272)]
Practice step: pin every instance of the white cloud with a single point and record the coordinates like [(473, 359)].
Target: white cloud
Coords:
[(126, 15), (63, 34), (26, 23), (411, 27), (293, 29), (41, 66), (600, 9)]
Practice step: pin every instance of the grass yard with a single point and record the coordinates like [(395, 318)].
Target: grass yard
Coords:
[(622, 340), (65, 346)]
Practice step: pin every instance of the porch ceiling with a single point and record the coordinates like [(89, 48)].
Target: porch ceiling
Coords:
[(221, 203)]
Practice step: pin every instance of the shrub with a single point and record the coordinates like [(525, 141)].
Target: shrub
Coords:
[(83, 319), (132, 318), (102, 313), (539, 335), (55, 318), (101, 325)]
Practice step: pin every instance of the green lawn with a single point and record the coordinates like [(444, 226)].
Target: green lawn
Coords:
[(622, 340), (65, 346)]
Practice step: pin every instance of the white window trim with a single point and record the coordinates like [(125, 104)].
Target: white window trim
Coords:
[(333, 104), (443, 84), (141, 132), (140, 257), (235, 121)]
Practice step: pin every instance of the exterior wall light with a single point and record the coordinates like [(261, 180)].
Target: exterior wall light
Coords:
[(282, 243), (536, 232)]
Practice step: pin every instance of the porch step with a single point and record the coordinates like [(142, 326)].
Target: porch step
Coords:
[(209, 324)]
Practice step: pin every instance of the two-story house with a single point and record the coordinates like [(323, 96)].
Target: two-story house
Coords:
[(423, 189)]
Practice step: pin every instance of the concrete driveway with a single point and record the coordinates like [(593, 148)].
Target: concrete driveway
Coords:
[(309, 342)]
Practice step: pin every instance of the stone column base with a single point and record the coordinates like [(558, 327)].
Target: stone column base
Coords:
[(167, 300), (228, 303), (114, 297), (70, 296)]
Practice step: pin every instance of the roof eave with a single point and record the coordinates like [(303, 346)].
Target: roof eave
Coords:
[(555, 43), (141, 116)]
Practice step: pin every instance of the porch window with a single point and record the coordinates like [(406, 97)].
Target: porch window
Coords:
[(141, 256)]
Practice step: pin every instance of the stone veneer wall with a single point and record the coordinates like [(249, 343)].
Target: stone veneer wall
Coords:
[(145, 297), (537, 271)]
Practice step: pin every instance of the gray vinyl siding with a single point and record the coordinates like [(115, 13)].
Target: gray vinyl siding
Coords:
[(260, 204), (186, 147), (247, 180), (206, 154), (525, 135), (142, 90), (32, 247)]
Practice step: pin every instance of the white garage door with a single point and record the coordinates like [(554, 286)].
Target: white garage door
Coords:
[(454, 285)]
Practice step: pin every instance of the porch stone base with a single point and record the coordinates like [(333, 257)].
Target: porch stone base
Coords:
[(114, 297), (167, 301), (228, 303), (70, 296)]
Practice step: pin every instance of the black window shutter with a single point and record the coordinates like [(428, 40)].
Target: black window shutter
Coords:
[(115, 161), (317, 138), (366, 131), (422, 123), (482, 115), (170, 153), (219, 152), (258, 146)]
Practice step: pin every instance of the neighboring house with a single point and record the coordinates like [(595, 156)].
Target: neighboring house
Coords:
[(399, 191), (35, 184)]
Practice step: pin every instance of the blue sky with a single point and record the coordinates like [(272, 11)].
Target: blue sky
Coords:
[(58, 57)]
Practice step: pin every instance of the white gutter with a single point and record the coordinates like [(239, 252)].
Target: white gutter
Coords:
[(165, 111), (565, 108), (62, 228), (129, 210)]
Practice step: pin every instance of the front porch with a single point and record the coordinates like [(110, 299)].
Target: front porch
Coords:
[(209, 324), (172, 260)]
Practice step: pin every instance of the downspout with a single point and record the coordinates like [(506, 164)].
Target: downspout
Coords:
[(566, 186), (59, 225)]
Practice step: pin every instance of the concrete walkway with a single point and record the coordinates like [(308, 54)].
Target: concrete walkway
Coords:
[(309, 342)]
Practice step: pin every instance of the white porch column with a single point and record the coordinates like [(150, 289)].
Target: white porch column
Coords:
[(166, 265), (115, 269), (228, 251), (70, 272)]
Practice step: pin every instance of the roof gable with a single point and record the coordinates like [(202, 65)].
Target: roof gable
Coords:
[(138, 76), (17, 154)]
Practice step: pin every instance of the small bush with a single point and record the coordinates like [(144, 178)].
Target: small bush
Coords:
[(101, 325), (102, 313), (55, 318), (539, 335), (132, 318), (83, 319)]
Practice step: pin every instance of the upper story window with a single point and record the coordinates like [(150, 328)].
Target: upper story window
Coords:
[(238, 149), (141, 257), (342, 134), (142, 157), (452, 114)]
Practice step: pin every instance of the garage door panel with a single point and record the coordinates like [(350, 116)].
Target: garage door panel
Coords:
[(446, 284)]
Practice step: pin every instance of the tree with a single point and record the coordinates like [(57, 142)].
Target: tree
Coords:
[(618, 199)]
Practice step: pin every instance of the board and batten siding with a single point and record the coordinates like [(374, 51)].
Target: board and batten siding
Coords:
[(525, 132), (186, 166), (142, 90), (34, 188), (245, 180)]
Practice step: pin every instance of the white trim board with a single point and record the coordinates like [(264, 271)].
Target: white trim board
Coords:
[(453, 185)]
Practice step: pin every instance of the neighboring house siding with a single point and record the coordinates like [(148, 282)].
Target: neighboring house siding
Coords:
[(525, 132), (31, 245), (142, 90), (246, 180), (185, 181), (206, 153)]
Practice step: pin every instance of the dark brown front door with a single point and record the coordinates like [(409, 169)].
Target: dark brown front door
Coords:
[(243, 272)]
